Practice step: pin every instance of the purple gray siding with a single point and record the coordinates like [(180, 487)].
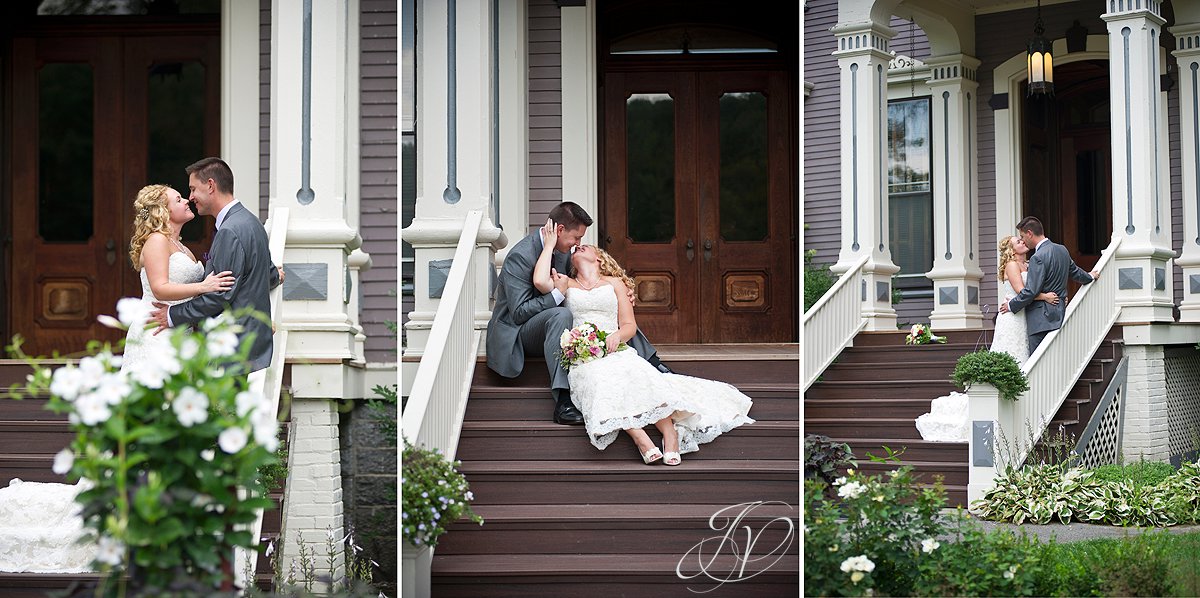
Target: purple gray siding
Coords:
[(545, 110)]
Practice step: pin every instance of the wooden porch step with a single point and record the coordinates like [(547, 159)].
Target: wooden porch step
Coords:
[(695, 481), (898, 370), (607, 576), (535, 404), (39, 585), (506, 440), (615, 528), (916, 450), (34, 437), (865, 407), (28, 467), (896, 338), (948, 353), (877, 427), (898, 388)]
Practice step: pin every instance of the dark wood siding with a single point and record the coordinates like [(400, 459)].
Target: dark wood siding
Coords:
[(545, 110), (379, 174)]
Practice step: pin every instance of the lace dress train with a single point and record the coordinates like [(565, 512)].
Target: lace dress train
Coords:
[(622, 390)]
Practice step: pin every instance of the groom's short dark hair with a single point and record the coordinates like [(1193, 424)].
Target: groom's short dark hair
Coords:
[(215, 169), (1032, 225), (570, 215)]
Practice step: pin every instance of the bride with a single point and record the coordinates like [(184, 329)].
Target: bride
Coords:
[(40, 526), (1010, 335), (622, 391)]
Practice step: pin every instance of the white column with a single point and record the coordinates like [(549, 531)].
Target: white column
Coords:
[(514, 126), (1146, 435), (955, 272), (1187, 39), (580, 179), (863, 57), (455, 148), (239, 89), (1141, 193)]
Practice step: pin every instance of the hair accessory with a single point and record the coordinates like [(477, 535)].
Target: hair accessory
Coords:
[(144, 213)]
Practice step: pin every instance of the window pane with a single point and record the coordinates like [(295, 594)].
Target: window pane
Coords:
[(650, 151), (910, 223), (744, 177), (65, 138), (175, 124)]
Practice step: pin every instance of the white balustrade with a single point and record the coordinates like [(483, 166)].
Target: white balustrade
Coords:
[(832, 323)]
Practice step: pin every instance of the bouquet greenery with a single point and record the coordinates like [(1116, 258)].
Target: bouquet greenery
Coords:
[(582, 344), (435, 495), (171, 448), (921, 334)]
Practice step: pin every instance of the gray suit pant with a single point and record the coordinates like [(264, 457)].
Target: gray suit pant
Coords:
[(539, 337), (1036, 339)]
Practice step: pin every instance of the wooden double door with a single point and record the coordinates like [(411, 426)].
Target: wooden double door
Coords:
[(96, 115), (699, 201)]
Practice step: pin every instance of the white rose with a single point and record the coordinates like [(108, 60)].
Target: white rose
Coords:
[(232, 440), (191, 407), (63, 461)]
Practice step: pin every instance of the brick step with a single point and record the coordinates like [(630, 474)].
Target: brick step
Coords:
[(613, 528), (896, 389), (505, 440), (606, 576), (878, 427), (865, 407), (900, 370), (34, 437), (536, 405), (916, 450), (695, 481)]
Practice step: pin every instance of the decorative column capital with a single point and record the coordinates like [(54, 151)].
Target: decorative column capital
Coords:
[(864, 38), (953, 69), (1122, 10), (1187, 40)]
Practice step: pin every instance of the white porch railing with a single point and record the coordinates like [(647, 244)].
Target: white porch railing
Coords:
[(267, 383), (1053, 370), (434, 412), (831, 324)]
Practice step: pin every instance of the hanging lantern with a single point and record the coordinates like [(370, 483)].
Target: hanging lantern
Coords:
[(1040, 61)]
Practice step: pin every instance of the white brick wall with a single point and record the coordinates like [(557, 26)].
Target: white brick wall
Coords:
[(313, 501), (1146, 433)]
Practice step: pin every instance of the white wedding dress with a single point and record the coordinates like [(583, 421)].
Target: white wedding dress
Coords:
[(1010, 335), (140, 342), (622, 390), (40, 527)]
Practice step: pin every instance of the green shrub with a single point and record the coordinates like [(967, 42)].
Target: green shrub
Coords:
[(979, 563), (817, 280), (1142, 473), (996, 368)]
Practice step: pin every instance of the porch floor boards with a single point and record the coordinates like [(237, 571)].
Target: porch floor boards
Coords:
[(563, 519)]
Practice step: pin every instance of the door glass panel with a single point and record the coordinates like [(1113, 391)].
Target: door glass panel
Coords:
[(65, 139), (175, 126), (650, 152), (910, 197), (744, 176)]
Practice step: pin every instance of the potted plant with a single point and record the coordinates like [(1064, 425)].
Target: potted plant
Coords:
[(996, 368), (435, 495)]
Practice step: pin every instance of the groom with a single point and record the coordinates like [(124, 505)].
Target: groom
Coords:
[(240, 246), (526, 322), (1049, 266)]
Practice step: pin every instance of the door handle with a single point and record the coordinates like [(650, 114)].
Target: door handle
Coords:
[(691, 253), (707, 250), (111, 254)]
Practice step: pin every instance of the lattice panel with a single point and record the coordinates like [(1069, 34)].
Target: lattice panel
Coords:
[(1104, 448), (1183, 399)]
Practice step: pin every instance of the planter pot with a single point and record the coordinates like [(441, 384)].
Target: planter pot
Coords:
[(415, 571)]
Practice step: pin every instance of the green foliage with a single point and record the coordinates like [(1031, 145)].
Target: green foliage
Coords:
[(435, 495), (165, 447), (817, 279), (1045, 493), (882, 518), (1142, 473), (979, 563), (823, 457), (1139, 565), (992, 367)]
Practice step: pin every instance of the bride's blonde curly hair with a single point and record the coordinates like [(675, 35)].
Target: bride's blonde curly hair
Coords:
[(1007, 254), (150, 215), (609, 267)]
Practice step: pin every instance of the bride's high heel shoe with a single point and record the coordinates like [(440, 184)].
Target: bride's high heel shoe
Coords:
[(671, 457), (651, 455)]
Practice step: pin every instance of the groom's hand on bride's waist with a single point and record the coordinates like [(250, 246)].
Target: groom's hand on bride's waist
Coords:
[(159, 316)]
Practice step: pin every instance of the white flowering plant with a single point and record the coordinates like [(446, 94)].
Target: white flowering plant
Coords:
[(171, 448), (582, 344), (435, 495)]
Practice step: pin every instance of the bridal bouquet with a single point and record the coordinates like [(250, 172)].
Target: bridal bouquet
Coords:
[(922, 335), (582, 344)]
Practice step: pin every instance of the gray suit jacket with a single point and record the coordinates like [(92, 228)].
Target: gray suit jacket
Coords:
[(240, 246), (1049, 268), (517, 301)]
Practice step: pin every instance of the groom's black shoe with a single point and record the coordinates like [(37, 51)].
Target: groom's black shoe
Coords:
[(565, 412), (662, 367)]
